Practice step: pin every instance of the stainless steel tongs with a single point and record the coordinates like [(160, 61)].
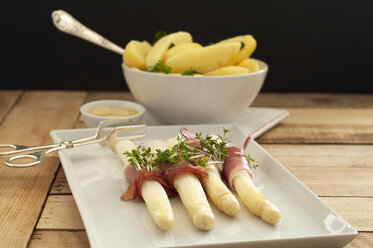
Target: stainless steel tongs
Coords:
[(101, 136)]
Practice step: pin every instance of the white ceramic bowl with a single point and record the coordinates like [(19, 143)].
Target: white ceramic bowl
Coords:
[(94, 120), (176, 99)]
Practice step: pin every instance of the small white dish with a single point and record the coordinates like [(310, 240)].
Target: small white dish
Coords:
[(91, 120), (96, 180)]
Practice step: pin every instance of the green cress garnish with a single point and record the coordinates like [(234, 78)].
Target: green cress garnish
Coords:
[(211, 152), (189, 152), (159, 67), (215, 147), (190, 72), (251, 160), (142, 159), (159, 35), (242, 45)]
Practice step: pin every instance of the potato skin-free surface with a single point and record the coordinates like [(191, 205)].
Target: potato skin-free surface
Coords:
[(204, 59), (247, 49), (228, 70), (251, 64), (178, 51), (181, 48), (160, 48), (135, 53)]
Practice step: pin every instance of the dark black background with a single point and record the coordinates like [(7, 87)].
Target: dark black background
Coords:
[(310, 46)]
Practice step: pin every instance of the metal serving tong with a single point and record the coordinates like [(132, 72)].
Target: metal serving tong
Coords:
[(102, 136)]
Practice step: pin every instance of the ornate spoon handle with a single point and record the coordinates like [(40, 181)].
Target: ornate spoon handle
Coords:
[(68, 24)]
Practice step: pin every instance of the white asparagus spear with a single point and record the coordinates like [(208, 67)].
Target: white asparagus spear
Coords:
[(191, 194), (194, 199), (254, 200), (152, 192), (217, 191)]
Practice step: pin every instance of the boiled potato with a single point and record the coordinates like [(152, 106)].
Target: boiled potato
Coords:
[(249, 45), (135, 53), (204, 59), (158, 51), (251, 64), (181, 48), (228, 70), (146, 45)]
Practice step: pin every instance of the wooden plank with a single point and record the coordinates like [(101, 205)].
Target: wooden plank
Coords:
[(362, 240), (329, 170), (23, 191), (110, 95), (323, 126), (348, 156), (329, 116), (336, 181), (60, 213), (7, 99), (312, 100), (60, 185), (79, 239), (59, 239), (358, 212)]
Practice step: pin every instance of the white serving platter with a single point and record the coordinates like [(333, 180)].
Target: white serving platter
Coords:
[(95, 177)]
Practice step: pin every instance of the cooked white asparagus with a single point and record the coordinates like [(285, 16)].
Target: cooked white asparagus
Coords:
[(191, 194), (254, 200), (194, 199), (158, 204), (215, 188), (152, 192), (219, 193)]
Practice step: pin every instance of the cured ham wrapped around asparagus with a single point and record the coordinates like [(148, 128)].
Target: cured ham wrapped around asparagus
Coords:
[(148, 185), (216, 189), (237, 171), (185, 178)]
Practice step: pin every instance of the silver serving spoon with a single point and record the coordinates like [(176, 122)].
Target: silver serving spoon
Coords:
[(68, 24)]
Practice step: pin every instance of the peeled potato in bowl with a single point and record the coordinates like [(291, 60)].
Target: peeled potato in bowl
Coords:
[(177, 54), (135, 54), (204, 59)]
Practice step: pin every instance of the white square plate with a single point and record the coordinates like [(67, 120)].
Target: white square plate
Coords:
[(95, 176)]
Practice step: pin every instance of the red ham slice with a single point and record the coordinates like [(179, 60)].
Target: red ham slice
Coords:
[(236, 163), (137, 178), (183, 167)]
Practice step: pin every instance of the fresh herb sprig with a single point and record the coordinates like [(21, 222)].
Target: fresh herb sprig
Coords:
[(167, 156), (215, 146), (159, 35), (190, 72), (252, 163), (142, 159), (211, 150), (159, 67), (242, 45), (192, 153)]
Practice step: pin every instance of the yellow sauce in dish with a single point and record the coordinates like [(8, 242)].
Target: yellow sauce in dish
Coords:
[(110, 111)]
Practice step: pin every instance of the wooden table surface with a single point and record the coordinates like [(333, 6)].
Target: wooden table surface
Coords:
[(327, 143)]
